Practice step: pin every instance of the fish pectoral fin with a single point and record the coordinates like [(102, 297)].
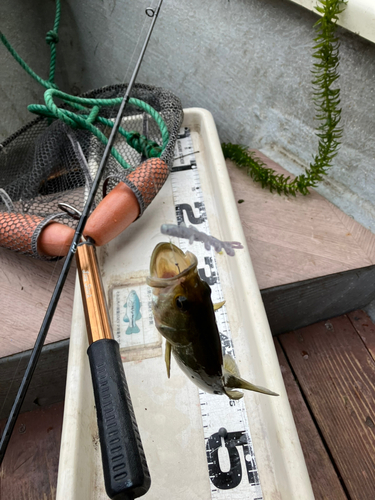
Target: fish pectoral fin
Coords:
[(126, 319), (233, 382), (165, 330), (233, 394), (168, 350), (218, 305)]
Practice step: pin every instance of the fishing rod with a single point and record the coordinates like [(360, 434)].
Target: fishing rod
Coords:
[(152, 13)]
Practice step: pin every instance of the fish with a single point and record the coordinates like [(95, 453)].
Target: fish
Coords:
[(133, 313), (185, 316)]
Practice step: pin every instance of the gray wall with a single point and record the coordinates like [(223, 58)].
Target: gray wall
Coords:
[(25, 24), (247, 61)]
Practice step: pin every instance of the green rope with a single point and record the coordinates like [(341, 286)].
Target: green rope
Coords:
[(327, 102), (52, 39), (140, 143), (81, 103), (93, 114), (22, 63)]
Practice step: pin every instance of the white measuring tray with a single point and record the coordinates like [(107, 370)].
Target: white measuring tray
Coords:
[(178, 423)]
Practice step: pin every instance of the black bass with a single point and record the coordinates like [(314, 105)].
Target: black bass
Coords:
[(185, 315)]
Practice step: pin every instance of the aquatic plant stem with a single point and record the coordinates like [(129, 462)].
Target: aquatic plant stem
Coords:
[(327, 101)]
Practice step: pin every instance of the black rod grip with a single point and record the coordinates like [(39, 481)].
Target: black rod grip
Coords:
[(126, 474)]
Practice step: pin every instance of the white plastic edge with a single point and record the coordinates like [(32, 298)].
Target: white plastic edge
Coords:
[(71, 482), (281, 464), (358, 16)]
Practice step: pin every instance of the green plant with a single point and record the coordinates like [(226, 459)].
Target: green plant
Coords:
[(327, 101)]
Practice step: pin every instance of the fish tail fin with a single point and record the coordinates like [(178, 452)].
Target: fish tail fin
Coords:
[(132, 329), (239, 383), (232, 379)]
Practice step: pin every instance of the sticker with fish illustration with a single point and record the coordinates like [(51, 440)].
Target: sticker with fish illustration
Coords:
[(133, 322), (133, 312)]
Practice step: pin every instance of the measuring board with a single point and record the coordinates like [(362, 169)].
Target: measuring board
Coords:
[(230, 455)]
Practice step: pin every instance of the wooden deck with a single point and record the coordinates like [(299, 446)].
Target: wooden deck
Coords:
[(329, 373), (26, 286), (328, 367), (292, 239), (29, 469)]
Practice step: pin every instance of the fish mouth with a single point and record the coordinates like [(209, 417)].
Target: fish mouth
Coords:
[(168, 264)]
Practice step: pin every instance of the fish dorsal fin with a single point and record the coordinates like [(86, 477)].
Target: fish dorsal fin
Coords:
[(139, 316), (167, 357), (218, 305), (230, 365), (232, 379)]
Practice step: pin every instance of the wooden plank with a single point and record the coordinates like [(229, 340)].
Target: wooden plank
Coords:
[(47, 385), (324, 480), (297, 238), (26, 286), (365, 328), (299, 304), (363, 236), (29, 469), (337, 376)]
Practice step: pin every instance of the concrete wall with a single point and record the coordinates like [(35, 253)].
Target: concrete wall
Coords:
[(247, 61)]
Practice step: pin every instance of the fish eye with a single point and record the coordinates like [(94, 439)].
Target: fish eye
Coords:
[(182, 303)]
